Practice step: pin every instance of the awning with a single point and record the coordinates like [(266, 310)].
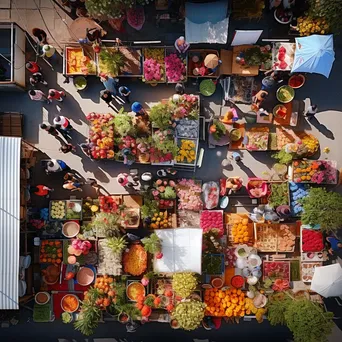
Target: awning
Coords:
[(206, 23), (10, 149)]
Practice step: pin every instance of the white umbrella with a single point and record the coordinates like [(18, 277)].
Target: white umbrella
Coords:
[(327, 280)]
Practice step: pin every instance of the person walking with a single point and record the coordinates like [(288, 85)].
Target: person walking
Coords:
[(125, 92), (106, 96), (40, 35), (48, 50), (179, 88), (72, 186), (124, 181), (56, 95), (109, 83), (40, 190), (93, 183), (32, 67), (63, 122), (50, 129), (85, 147), (36, 78), (70, 176), (38, 95), (236, 157), (66, 148), (56, 165), (181, 45), (311, 112)]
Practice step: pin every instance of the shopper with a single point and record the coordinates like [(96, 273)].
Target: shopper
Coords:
[(40, 35), (311, 112), (86, 149), (36, 78), (181, 45), (38, 95), (125, 92), (56, 95), (50, 129), (40, 190), (179, 88), (138, 109), (95, 35), (259, 98), (110, 83), (93, 183), (72, 186), (63, 122), (236, 157), (66, 148), (56, 165), (70, 176), (106, 96), (48, 50), (33, 67), (336, 244)]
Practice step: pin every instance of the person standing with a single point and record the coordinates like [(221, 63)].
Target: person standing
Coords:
[(138, 109), (179, 88), (56, 95), (63, 122), (50, 129), (125, 92), (311, 112), (86, 149), (336, 244), (181, 45), (48, 50), (72, 186), (66, 148), (106, 96), (36, 78), (40, 35), (40, 190), (32, 67), (69, 176), (38, 95), (123, 180), (236, 157), (56, 165), (109, 83)]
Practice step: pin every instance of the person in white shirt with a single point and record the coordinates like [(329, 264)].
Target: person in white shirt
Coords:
[(38, 95), (63, 122), (311, 112)]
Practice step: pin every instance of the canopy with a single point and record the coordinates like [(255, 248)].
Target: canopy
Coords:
[(327, 280), (314, 54), (10, 149), (206, 23)]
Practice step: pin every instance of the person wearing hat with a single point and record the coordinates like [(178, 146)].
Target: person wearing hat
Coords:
[(48, 50), (138, 109), (181, 45), (110, 83), (125, 92)]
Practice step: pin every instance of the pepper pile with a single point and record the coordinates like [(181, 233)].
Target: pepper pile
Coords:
[(312, 241)]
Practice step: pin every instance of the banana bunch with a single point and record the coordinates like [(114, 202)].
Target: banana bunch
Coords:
[(250, 308)]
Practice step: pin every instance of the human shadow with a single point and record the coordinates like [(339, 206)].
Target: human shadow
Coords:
[(322, 128), (90, 165), (92, 91), (246, 169)]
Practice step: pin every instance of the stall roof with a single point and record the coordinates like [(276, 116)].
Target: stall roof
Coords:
[(10, 149)]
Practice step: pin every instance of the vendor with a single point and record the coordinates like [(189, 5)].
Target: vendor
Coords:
[(213, 70), (336, 244), (95, 35), (181, 45), (138, 109), (179, 88)]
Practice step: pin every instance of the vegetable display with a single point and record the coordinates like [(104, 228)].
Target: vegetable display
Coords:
[(109, 261), (312, 240), (188, 193), (279, 195), (276, 269), (186, 151), (58, 210), (189, 314), (297, 192), (314, 171), (285, 94), (184, 284), (257, 139), (51, 252), (212, 264)]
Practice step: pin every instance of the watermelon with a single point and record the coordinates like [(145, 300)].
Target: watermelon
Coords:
[(136, 17)]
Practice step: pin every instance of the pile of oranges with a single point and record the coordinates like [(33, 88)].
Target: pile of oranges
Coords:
[(51, 252), (230, 303), (106, 288), (240, 230)]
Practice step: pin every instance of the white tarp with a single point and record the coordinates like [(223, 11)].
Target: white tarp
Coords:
[(10, 149), (206, 23), (182, 250)]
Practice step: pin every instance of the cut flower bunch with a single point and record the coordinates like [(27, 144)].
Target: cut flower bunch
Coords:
[(175, 68)]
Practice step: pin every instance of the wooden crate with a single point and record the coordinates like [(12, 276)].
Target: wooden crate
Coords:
[(11, 124)]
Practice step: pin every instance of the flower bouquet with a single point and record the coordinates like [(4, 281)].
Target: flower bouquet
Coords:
[(175, 68), (163, 149), (154, 65)]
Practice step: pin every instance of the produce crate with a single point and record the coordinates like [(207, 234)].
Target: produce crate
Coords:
[(277, 269), (86, 205), (81, 51), (172, 50), (301, 239), (184, 163), (202, 53), (163, 79), (11, 124), (229, 221), (70, 214), (50, 210), (222, 267), (308, 269), (58, 244)]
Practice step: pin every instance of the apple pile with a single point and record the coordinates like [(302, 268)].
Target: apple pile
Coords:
[(129, 142), (108, 204), (312, 240), (101, 136)]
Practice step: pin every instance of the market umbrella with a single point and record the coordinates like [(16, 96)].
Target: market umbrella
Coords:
[(211, 61), (314, 54), (78, 28), (327, 280)]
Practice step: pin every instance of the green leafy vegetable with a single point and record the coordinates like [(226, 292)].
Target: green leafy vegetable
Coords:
[(283, 157), (123, 124), (211, 264), (279, 195), (169, 193), (220, 130), (112, 60), (152, 244), (276, 307), (161, 115)]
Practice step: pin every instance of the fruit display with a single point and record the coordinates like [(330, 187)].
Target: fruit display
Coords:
[(224, 303), (296, 81), (143, 149), (266, 237), (164, 148), (217, 130), (276, 269), (154, 65), (135, 289), (283, 55), (314, 171), (161, 220), (211, 193), (90, 207), (312, 240), (257, 139), (57, 210), (286, 238), (189, 194), (51, 252), (251, 309), (308, 270), (298, 191), (74, 210), (101, 136), (164, 189), (310, 142), (308, 26), (187, 106), (109, 262), (109, 204), (184, 284), (186, 151), (237, 281), (188, 314), (105, 285), (175, 68), (77, 63), (285, 94), (212, 219), (240, 230), (279, 195), (163, 290), (135, 260)]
